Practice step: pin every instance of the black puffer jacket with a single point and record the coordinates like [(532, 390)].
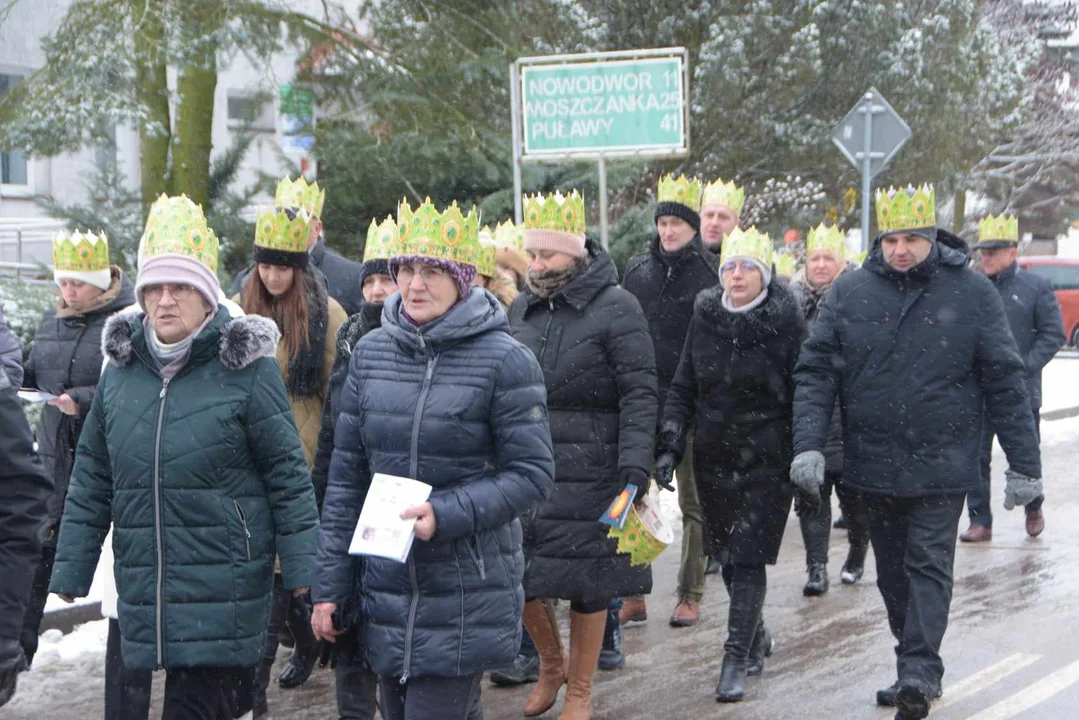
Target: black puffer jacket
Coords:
[(736, 385), (915, 359), (592, 342), (666, 288), (24, 493), (66, 358), (810, 299)]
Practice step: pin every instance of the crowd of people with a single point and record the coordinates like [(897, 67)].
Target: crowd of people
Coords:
[(228, 445)]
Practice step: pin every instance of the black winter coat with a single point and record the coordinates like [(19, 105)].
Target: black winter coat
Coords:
[(66, 358), (460, 405), (592, 342), (666, 289), (24, 493), (1035, 321), (735, 383), (915, 359), (344, 278)]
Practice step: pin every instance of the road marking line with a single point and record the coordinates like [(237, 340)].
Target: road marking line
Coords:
[(984, 678), (1032, 695)]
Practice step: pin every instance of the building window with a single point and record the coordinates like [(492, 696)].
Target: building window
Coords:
[(253, 111), (13, 162)]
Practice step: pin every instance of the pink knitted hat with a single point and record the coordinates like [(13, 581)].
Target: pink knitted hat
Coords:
[(554, 241)]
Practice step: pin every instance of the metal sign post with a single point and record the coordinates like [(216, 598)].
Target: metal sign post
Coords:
[(870, 136), (595, 106)]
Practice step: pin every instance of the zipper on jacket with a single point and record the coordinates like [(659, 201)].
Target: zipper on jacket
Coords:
[(546, 334), (414, 469), (159, 533), (476, 552), (243, 524)]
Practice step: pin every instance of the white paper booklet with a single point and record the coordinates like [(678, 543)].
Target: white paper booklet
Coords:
[(380, 530), (35, 396)]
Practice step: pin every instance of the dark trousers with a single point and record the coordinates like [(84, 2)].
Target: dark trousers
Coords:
[(914, 544), (430, 697), (978, 504), (817, 530), (279, 603), (207, 693), (35, 606), (127, 691), (355, 687)]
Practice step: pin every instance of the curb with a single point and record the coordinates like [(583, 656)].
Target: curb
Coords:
[(65, 619), (1061, 414)]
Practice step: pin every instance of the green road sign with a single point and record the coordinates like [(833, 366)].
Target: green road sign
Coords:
[(613, 107)]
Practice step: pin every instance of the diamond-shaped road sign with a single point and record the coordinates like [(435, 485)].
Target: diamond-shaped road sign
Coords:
[(887, 132)]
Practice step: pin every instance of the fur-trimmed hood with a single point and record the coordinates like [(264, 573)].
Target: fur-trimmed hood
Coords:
[(240, 342), (778, 313)]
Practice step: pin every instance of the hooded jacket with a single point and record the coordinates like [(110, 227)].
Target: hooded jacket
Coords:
[(204, 480), (460, 405), (915, 359)]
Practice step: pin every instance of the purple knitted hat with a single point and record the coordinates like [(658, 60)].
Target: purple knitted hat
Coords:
[(462, 274)]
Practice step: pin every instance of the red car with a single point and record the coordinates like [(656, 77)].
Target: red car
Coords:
[(1064, 274)]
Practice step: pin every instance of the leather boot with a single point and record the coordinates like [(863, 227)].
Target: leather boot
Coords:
[(817, 583), (634, 610), (539, 619), (1035, 522), (611, 656), (585, 641), (854, 567), (747, 602), (305, 646), (760, 649)]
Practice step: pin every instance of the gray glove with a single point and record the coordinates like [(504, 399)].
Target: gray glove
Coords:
[(807, 472), (1020, 489)]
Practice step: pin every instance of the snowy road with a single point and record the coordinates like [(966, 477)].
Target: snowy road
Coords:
[(1012, 650)]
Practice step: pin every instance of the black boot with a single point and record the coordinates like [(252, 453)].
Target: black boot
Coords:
[(760, 649), (912, 701), (747, 602), (817, 584), (525, 669), (262, 681), (610, 655), (854, 567)]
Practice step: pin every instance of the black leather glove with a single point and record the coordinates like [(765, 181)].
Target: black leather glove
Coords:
[(665, 471), (806, 504)]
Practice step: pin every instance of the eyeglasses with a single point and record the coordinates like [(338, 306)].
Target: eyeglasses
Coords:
[(178, 293), (429, 274), (742, 265)]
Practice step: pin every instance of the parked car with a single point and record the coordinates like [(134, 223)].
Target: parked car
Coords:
[(1064, 274)]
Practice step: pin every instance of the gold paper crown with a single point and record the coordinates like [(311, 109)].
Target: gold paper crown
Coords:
[(785, 264), (750, 244), (906, 209), (382, 242), (563, 213), (275, 231), (300, 195), (682, 190), (829, 238), (176, 226), (1004, 227), (724, 193), (449, 235), (80, 252), (510, 236), (486, 265)]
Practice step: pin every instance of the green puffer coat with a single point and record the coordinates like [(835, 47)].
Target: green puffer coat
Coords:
[(204, 479)]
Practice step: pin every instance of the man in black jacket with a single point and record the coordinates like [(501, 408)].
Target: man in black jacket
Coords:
[(915, 348), (1035, 321), (721, 206), (343, 277), (24, 493), (666, 280)]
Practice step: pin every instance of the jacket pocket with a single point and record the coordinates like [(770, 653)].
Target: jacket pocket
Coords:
[(243, 527), (474, 548)]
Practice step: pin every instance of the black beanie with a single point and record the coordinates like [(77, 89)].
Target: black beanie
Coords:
[(374, 267), (680, 211)]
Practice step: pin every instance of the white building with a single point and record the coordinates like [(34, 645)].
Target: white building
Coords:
[(64, 177)]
